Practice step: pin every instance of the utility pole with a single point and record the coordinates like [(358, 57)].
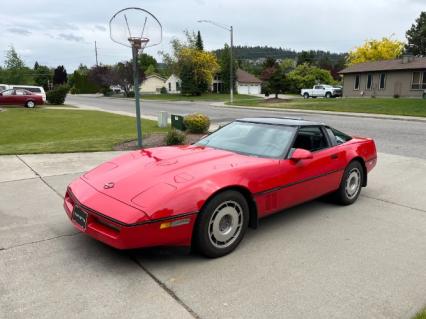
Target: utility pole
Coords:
[(231, 71), (96, 54)]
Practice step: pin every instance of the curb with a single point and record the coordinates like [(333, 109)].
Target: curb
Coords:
[(347, 114)]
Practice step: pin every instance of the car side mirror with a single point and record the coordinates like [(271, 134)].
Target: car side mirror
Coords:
[(300, 154)]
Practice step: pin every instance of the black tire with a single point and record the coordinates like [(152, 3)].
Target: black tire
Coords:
[(328, 95), (306, 95), (30, 104), (351, 184), (212, 218)]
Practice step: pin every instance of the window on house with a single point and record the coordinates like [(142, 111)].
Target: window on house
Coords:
[(170, 86), (424, 81), (415, 84), (382, 81), (177, 86), (369, 81), (356, 87)]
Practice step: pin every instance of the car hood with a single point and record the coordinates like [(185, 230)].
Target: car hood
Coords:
[(141, 177)]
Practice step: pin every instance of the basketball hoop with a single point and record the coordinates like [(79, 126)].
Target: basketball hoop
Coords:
[(138, 29)]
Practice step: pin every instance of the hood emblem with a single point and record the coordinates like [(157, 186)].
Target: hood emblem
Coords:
[(109, 185)]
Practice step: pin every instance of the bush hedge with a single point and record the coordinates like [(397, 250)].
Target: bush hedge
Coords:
[(197, 123), (57, 95), (175, 137)]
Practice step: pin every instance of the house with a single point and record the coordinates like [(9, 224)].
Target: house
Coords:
[(247, 83), (405, 77), (173, 84), (153, 84)]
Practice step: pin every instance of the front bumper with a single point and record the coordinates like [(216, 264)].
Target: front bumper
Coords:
[(174, 231)]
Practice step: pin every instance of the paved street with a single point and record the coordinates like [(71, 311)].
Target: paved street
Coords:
[(317, 260), (406, 138)]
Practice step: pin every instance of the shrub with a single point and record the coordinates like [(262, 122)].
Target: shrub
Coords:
[(175, 137), (57, 95), (197, 123), (106, 91), (163, 90), (396, 96), (130, 94)]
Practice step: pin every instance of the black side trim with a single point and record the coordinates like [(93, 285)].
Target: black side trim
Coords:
[(151, 221), (271, 190)]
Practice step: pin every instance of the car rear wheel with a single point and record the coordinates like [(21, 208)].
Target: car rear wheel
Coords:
[(222, 224), (30, 104), (350, 186), (306, 95)]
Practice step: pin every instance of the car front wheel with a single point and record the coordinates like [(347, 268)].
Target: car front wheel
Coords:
[(350, 186), (306, 96), (222, 224), (30, 104)]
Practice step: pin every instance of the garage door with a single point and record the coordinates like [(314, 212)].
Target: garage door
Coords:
[(243, 89)]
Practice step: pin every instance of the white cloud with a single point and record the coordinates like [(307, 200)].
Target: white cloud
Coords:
[(333, 25)]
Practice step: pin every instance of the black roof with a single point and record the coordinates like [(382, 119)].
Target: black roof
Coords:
[(288, 121)]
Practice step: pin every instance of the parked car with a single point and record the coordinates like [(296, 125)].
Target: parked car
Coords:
[(322, 90), (39, 90), (20, 97), (208, 193), (3, 87)]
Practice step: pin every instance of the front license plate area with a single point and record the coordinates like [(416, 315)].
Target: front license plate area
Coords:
[(80, 217)]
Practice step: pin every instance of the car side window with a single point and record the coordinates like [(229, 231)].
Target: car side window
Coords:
[(20, 92), (340, 137), (8, 92), (310, 138)]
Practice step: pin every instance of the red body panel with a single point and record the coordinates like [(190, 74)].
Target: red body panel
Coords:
[(21, 99), (129, 198)]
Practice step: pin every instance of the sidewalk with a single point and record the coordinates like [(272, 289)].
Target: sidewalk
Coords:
[(348, 114)]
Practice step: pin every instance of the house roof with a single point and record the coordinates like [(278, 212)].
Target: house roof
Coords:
[(245, 77), (388, 65), (155, 76)]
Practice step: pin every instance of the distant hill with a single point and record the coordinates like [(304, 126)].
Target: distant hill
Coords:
[(261, 52)]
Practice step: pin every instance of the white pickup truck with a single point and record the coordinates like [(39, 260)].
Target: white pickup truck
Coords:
[(321, 90)]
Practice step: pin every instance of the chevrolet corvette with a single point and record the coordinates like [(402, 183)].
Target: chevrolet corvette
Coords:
[(207, 194)]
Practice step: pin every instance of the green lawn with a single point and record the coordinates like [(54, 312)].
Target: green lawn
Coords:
[(26, 131), (214, 97), (420, 315), (411, 107)]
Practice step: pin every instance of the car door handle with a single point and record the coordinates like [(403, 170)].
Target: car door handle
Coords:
[(334, 156)]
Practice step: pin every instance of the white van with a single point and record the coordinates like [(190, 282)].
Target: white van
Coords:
[(4, 87), (39, 90)]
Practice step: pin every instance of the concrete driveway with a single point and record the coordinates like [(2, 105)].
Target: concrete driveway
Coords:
[(317, 260)]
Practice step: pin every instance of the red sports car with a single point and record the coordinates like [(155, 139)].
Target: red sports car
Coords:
[(207, 194), (20, 97)]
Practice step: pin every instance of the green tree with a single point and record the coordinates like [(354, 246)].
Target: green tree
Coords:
[(42, 76), (225, 60), (416, 36), (60, 75), (306, 57), (15, 71), (199, 42), (306, 76), (186, 60), (146, 60), (81, 83), (287, 65)]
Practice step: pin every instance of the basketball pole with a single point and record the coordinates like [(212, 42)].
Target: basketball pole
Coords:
[(135, 51)]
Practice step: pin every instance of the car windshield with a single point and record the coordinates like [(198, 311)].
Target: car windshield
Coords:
[(256, 139)]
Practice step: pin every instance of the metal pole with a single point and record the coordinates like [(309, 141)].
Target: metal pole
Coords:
[(231, 79), (96, 54), (137, 96)]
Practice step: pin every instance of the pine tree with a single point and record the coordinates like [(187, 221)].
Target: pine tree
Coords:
[(225, 60), (416, 36), (60, 75), (199, 42)]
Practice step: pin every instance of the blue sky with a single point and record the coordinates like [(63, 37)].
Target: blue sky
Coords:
[(63, 32)]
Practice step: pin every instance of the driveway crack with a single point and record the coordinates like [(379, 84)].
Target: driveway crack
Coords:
[(38, 241), (39, 176), (170, 292)]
